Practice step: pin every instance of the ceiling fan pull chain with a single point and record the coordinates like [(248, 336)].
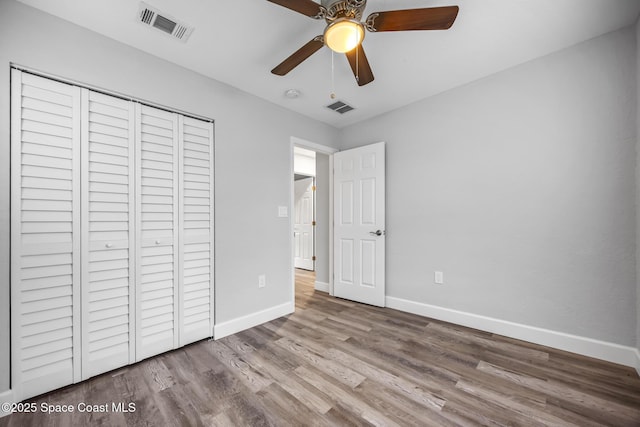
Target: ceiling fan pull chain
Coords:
[(333, 88)]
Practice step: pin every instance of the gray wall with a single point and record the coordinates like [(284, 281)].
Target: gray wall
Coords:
[(521, 188), (250, 238), (322, 218)]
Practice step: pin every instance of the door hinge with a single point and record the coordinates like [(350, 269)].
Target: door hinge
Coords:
[(313, 258), (313, 223), (313, 188)]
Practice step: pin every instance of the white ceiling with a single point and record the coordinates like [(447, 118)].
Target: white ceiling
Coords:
[(238, 42)]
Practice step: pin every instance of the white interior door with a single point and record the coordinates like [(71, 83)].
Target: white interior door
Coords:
[(303, 224), (359, 224), (196, 219), (112, 250), (157, 224), (45, 234), (108, 207)]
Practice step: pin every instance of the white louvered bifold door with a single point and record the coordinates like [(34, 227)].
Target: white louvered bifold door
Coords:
[(111, 232), (196, 213), (108, 207), (157, 225), (45, 234)]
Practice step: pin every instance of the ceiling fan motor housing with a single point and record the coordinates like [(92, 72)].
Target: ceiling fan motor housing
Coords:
[(350, 9)]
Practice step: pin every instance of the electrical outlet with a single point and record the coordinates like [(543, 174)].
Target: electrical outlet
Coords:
[(262, 281), (438, 277)]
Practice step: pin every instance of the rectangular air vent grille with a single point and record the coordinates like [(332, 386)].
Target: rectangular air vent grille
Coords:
[(163, 22), (340, 107)]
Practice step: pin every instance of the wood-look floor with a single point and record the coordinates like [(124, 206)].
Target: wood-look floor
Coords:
[(336, 362)]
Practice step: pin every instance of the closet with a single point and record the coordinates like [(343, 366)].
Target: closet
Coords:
[(111, 232)]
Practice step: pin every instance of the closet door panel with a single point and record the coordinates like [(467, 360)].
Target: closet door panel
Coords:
[(111, 233), (196, 213), (157, 227), (108, 208), (45, 234)]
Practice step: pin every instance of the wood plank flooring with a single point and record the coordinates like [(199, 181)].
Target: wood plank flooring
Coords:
[(335, 362)]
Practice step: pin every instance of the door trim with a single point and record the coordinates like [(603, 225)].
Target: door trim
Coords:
[(322, 149)]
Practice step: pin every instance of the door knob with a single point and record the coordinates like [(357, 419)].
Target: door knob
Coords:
[(376, 233)]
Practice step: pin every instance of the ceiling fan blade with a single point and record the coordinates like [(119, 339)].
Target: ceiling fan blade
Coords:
[(298, 56), (305, 7), (432, 18), (360, 66)]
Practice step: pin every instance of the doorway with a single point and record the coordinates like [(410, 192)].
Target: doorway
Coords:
[(358, 252), (304, 208), (311, 219)]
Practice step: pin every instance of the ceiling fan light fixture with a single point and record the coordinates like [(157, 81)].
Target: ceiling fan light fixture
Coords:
[(343, 35)]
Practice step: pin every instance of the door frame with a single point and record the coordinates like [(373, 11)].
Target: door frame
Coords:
[(322, 149)]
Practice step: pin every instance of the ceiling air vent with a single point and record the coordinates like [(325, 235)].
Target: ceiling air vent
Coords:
[(163, 22), (340, 107)]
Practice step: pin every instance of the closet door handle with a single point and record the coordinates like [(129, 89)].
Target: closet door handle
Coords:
[(108, 245), (157, 242)]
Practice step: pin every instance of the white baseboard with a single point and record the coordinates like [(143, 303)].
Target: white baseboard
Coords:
[(610, 352), (6, 397), (322, 286), (233, 326)]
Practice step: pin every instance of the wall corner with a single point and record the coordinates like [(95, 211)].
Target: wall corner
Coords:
[(637, 193)]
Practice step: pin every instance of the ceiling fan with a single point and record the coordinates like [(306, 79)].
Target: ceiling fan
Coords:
[(345, 31)]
